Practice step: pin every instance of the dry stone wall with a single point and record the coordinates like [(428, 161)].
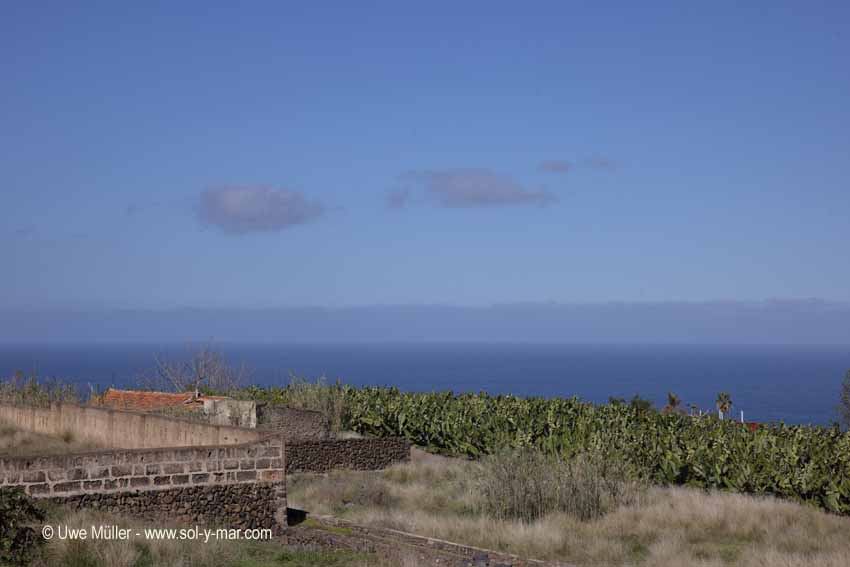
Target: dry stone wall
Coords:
[(354, 454), (292, 423), (231, 506)]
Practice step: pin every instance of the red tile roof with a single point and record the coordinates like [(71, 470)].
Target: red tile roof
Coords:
[(143, 400), (138, 400)]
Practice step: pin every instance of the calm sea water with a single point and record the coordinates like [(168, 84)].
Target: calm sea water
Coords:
[(797, 384)]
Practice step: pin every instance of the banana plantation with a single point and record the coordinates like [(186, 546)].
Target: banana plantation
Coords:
[(802, 463)]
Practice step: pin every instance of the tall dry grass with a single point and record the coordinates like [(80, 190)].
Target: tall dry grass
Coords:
[(440, 498), (527, 485)]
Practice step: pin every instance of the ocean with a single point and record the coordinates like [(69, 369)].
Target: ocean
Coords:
[(794, 384)]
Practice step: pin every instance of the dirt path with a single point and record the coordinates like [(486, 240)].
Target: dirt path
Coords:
[(405, 549)]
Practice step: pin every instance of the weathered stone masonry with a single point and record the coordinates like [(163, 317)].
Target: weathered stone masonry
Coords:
[(292, 423), (229, 476), (234, 486), (246, 505), (355, 454)]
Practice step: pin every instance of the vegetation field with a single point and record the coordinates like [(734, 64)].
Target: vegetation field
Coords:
[(549, 478), (675, 526), (805, 464)]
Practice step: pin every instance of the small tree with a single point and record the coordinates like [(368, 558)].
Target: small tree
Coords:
[(206, 368), (844, 401), (724, 403)]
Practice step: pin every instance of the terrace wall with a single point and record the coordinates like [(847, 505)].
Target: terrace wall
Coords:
[(123, 429), (236, 506), (353, 454), (235, 486)]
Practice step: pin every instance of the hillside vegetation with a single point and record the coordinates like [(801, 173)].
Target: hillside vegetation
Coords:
[(654, 527), (801, 463)]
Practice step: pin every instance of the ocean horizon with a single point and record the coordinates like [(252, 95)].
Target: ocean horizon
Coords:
[(792, 383)]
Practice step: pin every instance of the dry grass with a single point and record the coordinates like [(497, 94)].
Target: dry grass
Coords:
[(438, 497), (141, 552), (527, 485), (17, 443)]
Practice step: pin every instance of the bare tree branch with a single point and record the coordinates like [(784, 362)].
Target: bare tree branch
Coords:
[(207, 368)]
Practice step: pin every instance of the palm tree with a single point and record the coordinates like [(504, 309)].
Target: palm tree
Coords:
[(673, 402), (724, 403)]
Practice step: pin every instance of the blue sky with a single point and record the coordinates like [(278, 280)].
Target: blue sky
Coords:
[(157, 155)]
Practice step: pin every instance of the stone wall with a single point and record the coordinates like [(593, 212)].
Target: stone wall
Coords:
[(292, 423), (243, 506), (145, 469), (239, 481), (124, 429), (234, 486), (354, 454)]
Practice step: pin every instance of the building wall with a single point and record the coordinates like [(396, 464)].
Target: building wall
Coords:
[(231, 412), (123, 429)]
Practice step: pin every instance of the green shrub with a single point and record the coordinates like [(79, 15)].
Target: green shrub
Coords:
[(18, 538)]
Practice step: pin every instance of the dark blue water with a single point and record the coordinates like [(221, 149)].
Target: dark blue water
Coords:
[(797, 384)]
